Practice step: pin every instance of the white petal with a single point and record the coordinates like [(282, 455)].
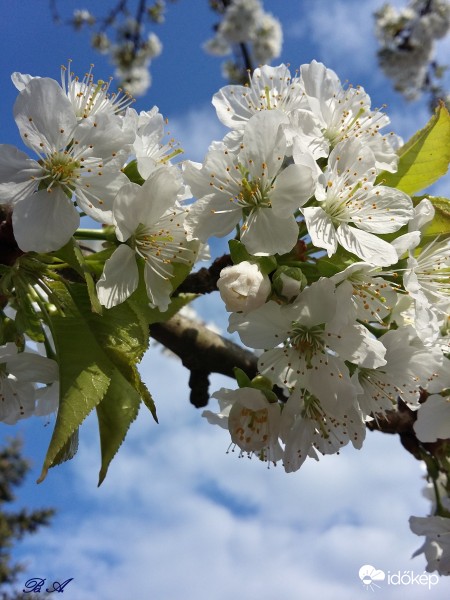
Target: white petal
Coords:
[(44, 221), (267, 234), (120, 277), (330, 382), (264, 142), (158, 194), (383, 210), (357, 345), (44, 114), (316, 304), (21, 80), (212, 215), (127, 211), (433, 419), (17, 173), (264, 327), (95, 195), (366, 245), (293, 187), (321, 229), (27, 366), (158, 288)]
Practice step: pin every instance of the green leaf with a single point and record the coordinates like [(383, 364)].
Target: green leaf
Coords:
[(115, 413), (97, 357), (68, 450), (84, 374), (424, 158)]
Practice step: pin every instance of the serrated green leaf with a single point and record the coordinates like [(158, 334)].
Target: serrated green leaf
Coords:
[(424, 158), (115, 413), (84, 374), (97, 357), (68, 450)]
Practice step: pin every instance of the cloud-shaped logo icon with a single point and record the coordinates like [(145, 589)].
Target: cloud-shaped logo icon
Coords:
[(369, 575)]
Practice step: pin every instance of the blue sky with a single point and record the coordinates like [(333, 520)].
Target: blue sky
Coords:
[(177, 517)]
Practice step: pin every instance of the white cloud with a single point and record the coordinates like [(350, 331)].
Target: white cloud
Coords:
[(340, 29), (196, 130), (177, 517)]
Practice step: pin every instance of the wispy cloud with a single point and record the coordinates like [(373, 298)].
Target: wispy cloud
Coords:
[(178, 517)]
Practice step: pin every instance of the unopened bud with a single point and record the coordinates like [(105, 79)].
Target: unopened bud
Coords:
[(243, 287), (288, 282)]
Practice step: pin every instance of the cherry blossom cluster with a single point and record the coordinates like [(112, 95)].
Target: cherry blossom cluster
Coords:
[(407, 39), (83, 138), (334, 282), (330, 285), (246, 22)]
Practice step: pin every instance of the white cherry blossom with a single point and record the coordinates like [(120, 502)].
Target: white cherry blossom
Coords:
[(352, 210), (306, 429), (410, 366), (253, 421), (81, 159), (346, 114), (252, 187), (19, 373), (269, 88), (373, 296), (149, 220), (310, 343)]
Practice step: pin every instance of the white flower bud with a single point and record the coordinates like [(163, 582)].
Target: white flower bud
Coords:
[(288, 282), (243, 287)]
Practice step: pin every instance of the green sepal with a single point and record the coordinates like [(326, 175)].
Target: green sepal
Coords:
[(131, 171), (424, 158), (243, 380), (96, 261), (27, 321), (238, 253), (72, 255)]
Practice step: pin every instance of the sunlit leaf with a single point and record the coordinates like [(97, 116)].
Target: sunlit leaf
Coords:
[(424, 158)]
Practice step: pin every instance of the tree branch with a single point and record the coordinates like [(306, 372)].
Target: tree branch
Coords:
[(204, 281), (202, 351)]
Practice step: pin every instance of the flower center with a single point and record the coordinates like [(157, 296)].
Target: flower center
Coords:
[(249, 429), (307, 340), (60, 168)]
